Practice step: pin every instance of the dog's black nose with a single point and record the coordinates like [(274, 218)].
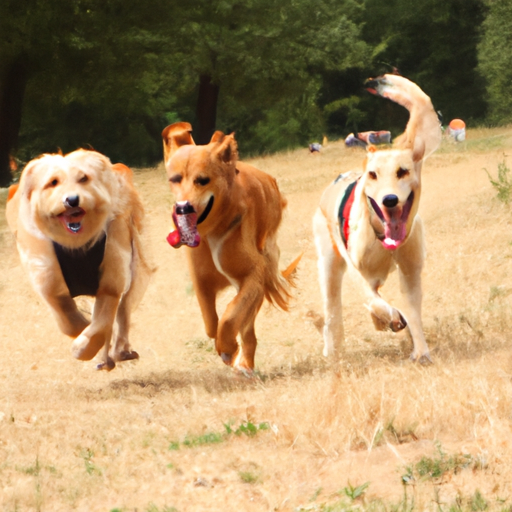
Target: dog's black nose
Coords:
[(72, 201), (390, 201)]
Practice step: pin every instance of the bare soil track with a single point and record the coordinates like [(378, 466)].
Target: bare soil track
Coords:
[(152, 435)]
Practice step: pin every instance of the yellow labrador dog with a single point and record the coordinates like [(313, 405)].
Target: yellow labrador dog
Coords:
[(77, 220), (369, 222)]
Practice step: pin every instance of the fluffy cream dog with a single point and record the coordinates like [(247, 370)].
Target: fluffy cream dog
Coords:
[(77, 220), (369, 222)]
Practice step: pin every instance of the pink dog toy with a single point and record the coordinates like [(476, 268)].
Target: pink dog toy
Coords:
[(185, 220)]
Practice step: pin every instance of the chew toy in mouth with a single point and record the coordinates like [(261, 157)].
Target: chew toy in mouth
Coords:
[(72, 219), (394, 221), (185, 220)]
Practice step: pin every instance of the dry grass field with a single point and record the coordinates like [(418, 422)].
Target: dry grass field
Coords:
[(179, 431)]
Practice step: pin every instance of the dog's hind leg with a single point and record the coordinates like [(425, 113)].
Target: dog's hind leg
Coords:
[(141, 273), (331, 267)]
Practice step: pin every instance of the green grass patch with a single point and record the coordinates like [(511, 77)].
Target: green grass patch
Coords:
[(209, 438), (87, 455), (473, 503), (249, 477), (435, 468), (246, 428)]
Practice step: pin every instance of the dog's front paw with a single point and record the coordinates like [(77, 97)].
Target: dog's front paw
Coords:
[(397, 324), (107, 365), (423, 359), (86, 347), (227, 358), (127, 355), (385, 317)]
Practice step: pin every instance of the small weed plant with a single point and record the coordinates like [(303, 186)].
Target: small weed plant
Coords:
[(355, 493), (87, 455), (246, 428), (249, 477), (503, 183), (435, 468)]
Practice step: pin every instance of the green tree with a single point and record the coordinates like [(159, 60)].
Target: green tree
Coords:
[(432, 42), (82, 72), (252, 55), (494, 59), (110, 74)]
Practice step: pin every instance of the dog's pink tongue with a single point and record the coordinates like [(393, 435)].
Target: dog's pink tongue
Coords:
[(185, 220), (394, 230)]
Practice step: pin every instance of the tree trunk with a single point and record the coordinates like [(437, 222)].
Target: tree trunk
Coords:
[(206, 111), (13, 79)]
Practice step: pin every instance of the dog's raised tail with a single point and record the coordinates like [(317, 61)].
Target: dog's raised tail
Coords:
[(423, 130)]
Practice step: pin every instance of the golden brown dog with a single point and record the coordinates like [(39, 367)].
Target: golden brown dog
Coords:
[(368, 222), (234, 211), (77, 221)]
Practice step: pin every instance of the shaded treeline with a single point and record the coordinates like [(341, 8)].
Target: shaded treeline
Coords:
[(111, 74)]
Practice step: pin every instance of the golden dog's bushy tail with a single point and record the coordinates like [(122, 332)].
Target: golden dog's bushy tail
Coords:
[(277, 288)]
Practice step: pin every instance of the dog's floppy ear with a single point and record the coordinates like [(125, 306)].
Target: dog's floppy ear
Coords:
[(423, 132), (27, 179), (176, 135), (227, 149)]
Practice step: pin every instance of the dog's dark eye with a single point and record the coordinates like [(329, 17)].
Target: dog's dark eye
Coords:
[(52, 183), (83, 179), (176, 178), (373, 175), (202, 180), (401, 173)]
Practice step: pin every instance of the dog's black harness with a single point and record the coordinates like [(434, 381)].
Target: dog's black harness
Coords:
[(81, 267)]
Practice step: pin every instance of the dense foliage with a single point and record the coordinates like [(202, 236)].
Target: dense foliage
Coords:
[(495, 60), (111, 75)]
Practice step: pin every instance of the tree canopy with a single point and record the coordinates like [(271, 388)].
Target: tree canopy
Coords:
[(495, 59), (111, 74)]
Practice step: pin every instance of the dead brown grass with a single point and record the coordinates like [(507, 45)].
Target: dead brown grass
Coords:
[(74, 439)]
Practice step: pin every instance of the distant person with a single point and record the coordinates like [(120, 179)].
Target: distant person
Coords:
[(362, 139), (457, 130)]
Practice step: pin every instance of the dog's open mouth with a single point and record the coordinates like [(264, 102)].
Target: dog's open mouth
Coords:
[(394, 221), (72, 219), (206, 211), (185, 220)]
